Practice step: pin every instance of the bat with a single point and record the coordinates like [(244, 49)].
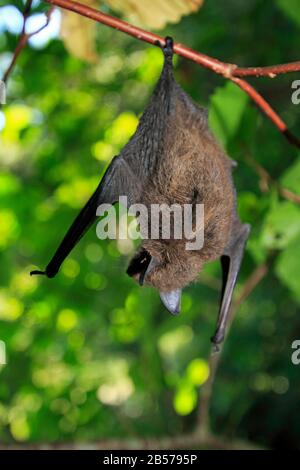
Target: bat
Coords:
[(172, 158)]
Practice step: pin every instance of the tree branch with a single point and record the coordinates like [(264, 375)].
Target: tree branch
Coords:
[(270, 71), (211, 63), (23, 39), (266, 180), (227, 70)]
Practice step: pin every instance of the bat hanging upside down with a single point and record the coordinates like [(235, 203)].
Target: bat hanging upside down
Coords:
[(172, 158)]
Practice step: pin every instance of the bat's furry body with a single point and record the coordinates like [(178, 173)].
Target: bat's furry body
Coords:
[(172, 158), (193, 170)]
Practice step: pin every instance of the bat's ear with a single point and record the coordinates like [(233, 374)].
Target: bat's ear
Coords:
[(141, 265), (172, 300)]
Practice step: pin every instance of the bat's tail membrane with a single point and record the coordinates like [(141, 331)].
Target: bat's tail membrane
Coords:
[(116, 181)]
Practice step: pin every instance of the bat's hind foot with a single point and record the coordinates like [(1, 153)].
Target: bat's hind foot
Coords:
[(168, 47)]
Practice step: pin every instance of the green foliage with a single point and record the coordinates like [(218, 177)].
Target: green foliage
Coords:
[(291, 177), (288, 268), (291, 8), (227, 106), (90, 354)]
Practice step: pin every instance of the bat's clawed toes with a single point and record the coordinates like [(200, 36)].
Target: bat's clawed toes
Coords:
[(172, 300), (168, 47)]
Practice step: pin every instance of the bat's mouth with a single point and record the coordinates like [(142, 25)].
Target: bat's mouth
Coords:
[(139, 265)]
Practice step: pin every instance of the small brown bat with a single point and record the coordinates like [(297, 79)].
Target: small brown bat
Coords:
[(172, 158)]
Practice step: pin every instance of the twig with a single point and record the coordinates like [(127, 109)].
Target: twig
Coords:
[(267, 109), (266, 179), (229, 71), (211, 63), (23, 39), (203, 421), (270, 71), (253, 280)]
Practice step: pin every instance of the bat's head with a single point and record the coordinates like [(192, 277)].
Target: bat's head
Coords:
[(166, 267)]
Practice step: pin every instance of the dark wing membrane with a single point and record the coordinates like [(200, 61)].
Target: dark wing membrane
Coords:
[(118, 180), (146, 146), (231, 262)]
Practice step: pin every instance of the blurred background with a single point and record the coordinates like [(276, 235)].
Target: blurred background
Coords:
[(90, 355)]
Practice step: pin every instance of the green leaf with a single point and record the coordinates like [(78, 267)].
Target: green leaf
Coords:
[(227, 106), (291, 8), (288, 267), (282, 225), (291, 177)]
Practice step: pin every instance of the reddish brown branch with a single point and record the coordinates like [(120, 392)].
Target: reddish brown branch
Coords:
[(267, 110), (229, 71), (211, 63), (270, 71), (23, 39)]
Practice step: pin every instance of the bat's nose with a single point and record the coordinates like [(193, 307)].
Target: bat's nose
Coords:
[(171, 300)]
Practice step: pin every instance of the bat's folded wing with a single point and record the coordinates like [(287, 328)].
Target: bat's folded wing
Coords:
[(231, 262), (118, 180)]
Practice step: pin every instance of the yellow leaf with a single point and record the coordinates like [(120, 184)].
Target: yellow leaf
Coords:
[(154, 13), (79, 33)]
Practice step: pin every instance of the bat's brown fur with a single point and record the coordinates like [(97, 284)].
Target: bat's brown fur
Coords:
[(194, 165)]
